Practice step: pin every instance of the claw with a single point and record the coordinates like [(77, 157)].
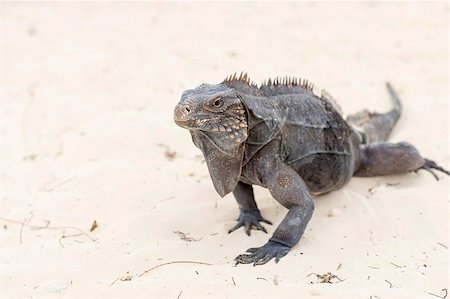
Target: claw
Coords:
[(430, 165), (260, 227), (248, 226), (280, 255), (266, 221), (263, 261), (235, 228), (432, 173), (253, 250)]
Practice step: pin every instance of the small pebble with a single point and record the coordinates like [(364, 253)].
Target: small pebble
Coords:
[(335, 212), (275, 280)]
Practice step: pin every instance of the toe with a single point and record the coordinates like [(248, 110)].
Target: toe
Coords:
[(280, 255), (260, 227), (253, 250), (264, 260), (266, 221), (238, 225), (248, 227)]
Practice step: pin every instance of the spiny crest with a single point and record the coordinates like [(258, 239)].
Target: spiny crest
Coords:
[(288, 81), (242, 78), (283, 85), (277, 81)]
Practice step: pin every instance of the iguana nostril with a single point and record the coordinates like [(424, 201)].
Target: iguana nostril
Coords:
[(182, 115)]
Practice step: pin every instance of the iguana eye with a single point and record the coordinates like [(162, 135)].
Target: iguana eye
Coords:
[(217, 102)]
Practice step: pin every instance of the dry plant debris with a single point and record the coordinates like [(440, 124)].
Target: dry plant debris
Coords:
[(327, 277), (174, 262), (170, 155), (24, 223), (184, 236), (93, 226), (443, 296)]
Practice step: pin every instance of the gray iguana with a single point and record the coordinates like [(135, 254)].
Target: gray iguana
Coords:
[(287, 137)]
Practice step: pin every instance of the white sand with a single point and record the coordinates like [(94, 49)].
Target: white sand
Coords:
[(87, 94)]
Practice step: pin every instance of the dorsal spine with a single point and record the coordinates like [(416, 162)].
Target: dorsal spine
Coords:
[(277, 81)]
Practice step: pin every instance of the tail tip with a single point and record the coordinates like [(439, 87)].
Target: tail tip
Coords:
[(389, 86), (394, 96)]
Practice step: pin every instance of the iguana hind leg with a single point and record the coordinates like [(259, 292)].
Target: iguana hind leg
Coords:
[(376, 127), (393, 158)]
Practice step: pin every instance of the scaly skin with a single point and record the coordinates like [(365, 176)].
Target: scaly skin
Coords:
[(288, 138)]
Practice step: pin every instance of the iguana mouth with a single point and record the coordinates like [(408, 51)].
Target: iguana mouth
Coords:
[(233, 128), (184, 123)]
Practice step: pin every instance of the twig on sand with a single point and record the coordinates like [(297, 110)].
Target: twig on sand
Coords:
[(443, 297), (173, 262), (21, 230), (232, 278), (129, 277), (50, 186), (184, 236), (390, 283), (60, 238), (47, 226), (63, 236), (168, 198), (114, 281), (179, 295), (395, 265), (439, 243), (41, 227)]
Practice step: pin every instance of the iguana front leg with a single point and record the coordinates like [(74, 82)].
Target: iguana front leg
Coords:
[(288, 188), (249, 215)]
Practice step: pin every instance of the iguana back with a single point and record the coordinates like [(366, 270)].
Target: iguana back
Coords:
[(304, 128)]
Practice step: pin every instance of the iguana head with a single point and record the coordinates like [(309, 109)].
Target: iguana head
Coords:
[(216, 117), (215, 109)]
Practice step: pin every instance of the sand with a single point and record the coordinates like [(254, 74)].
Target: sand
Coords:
[(86, 133)]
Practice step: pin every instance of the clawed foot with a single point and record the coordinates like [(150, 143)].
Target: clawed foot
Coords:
[(249, 219), (261, 255), (430, 165)]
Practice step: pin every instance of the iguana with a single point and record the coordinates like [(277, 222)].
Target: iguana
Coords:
[(288, 137)]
